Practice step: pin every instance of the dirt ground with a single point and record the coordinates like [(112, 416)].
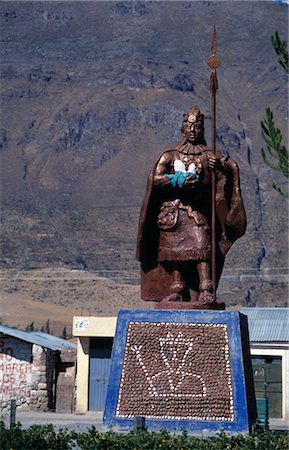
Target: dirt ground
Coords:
[(59, 294)]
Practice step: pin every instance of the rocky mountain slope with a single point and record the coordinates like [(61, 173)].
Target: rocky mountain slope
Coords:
[(92, 91)]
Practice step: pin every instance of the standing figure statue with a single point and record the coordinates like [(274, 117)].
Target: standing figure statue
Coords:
[(174, 239)]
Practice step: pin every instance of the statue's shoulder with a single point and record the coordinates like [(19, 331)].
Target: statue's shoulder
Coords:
[(168, 153), (204, 148)]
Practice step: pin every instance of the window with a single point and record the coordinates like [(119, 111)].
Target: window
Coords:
[(267, 372)]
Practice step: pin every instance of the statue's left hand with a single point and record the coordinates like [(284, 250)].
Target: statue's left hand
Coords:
[(214, 162)]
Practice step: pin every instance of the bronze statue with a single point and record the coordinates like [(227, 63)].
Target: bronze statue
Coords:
[(175, 232)]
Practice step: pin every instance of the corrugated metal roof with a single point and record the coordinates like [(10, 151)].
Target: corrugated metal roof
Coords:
[(37, 337), (268, 324)]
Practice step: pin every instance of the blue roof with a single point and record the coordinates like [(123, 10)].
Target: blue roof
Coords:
[(268, 324), (37, 337)]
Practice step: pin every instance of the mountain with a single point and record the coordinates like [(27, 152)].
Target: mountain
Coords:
[(91, 92)]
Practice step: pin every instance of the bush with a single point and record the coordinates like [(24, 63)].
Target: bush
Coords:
[(143, 440), (37, 437), (42, 437)]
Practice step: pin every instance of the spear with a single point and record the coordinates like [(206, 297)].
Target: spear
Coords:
[(213, 63)]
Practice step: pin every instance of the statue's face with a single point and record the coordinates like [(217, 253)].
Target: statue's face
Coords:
[(194, 130)]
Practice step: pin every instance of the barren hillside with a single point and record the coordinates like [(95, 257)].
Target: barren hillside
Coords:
[(92, 92)]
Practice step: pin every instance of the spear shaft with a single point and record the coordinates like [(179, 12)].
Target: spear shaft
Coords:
[(213, 62)]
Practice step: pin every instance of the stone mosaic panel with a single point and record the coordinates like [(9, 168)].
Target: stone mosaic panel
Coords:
[(176, 371)]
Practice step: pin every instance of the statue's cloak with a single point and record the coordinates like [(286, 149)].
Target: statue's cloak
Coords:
[(230, 226)]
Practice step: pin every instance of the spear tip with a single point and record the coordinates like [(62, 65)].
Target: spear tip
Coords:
[(214, 41), (213, 60)]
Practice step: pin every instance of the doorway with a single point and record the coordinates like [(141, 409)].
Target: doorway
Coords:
[(99, 369)]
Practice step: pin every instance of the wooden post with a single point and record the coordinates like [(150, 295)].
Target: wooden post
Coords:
[(138, 423), (13, 413)]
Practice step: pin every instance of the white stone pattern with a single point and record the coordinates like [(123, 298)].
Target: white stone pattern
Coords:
[(176, 379), (175, 389)]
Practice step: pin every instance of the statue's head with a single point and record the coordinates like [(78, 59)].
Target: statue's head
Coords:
[(193, 126)]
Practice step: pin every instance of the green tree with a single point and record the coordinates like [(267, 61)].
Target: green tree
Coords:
[(47, 327), (276, 155), (64, 333), (281, 48), (30, 327)]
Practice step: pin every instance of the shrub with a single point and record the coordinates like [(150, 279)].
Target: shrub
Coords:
[(44, 437), (36, 437)]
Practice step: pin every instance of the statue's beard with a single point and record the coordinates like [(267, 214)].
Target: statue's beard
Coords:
[(187, 139), (194, 140)]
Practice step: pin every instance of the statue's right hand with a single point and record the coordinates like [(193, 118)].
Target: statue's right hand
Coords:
[(191, 182), (161, 180)]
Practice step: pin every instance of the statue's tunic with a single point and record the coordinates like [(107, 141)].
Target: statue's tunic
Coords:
[(184, 215), (189, 240)]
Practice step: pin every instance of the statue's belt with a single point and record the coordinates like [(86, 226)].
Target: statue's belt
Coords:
[(169, 214)]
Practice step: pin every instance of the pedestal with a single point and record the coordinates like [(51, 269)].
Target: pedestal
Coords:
[(181, 370)]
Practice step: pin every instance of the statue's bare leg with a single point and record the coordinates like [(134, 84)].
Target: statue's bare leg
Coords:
[(206, 286), (177, 286)]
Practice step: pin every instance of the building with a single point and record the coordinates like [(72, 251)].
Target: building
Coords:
[(269, 345), (94, 345), (31, 363)]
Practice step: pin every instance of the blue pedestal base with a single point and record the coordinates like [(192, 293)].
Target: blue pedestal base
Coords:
[(181, 370)]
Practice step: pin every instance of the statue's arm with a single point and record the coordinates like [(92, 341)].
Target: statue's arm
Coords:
[(218, 162), (162, 168)]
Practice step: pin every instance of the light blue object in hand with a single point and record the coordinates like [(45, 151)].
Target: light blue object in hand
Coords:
[(177, 178), (180, 175)]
